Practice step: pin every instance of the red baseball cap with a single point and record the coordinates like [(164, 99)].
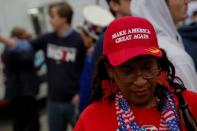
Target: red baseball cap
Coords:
[(129, 37)]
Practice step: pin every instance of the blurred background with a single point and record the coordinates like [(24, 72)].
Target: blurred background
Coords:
[(32, 15)]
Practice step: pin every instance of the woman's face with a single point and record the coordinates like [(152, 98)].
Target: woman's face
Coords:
[(178, 9), (137, 80)]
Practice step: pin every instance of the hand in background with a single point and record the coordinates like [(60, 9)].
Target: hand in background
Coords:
[(75, 100), (7, 41)]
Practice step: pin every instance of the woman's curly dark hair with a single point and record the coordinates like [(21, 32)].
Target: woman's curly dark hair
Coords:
[(164, 65)]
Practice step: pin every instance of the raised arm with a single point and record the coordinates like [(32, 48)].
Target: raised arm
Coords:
[(7, 41)]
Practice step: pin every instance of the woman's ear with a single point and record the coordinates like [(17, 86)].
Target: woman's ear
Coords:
[(110, 71)]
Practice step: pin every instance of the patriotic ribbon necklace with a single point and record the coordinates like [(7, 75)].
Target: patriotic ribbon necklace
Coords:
[(126, 119)]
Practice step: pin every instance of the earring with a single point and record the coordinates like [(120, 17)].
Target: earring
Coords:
[(109, 88)]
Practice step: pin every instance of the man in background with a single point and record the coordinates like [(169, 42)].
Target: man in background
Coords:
[(188, 32), (119, 8)]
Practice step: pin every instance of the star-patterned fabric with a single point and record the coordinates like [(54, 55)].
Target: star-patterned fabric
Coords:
[(126, 117)]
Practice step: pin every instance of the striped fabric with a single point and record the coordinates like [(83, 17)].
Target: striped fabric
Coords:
[(127, 122)]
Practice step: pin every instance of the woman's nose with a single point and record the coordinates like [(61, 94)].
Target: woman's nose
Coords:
[(140, 81)]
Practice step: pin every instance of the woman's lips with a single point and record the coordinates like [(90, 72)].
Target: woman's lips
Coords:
[(141, 92)]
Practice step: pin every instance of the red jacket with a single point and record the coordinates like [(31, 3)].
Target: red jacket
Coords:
[(101, 116)]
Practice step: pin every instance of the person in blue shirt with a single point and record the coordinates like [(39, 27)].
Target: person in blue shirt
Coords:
[(21, 82), (85, 80), (90, 31)]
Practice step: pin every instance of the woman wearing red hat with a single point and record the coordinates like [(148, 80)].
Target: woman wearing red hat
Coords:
[(135, 88)]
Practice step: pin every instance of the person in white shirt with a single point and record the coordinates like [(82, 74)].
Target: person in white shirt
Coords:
[(164, 15)]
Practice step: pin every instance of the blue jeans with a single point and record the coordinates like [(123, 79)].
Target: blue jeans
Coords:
[(60, 115)]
